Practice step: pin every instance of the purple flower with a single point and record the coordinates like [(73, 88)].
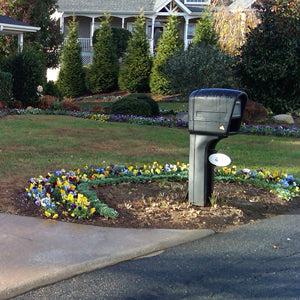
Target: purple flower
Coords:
[(73, 206)]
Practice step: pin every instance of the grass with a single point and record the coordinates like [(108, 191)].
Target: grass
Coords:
[(32, 145), (176, 106)]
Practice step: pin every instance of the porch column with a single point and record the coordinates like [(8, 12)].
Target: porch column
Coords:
[(152, 35), (62, 23), (92, 31), (20, 42), (186, 32), (123, 22)]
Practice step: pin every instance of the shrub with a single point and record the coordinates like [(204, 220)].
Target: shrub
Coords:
[(97, 107), (6, 84), (254, 112), (52, 89), (269, 65), (102, 75), (167, 45), (201, 66), (47, 101), (135, 72), (28, 71), (71, 75), (67, 104), (132, 105)]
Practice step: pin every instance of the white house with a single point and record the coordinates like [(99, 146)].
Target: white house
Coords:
[(123, 13), (10, 26)]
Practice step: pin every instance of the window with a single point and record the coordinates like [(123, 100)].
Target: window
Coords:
[(191, 30)]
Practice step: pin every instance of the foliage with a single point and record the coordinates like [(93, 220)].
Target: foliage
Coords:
[(204, 30), (167, 45), (37, 13), (69, 105), (6, 84), (131, 106), (200, 66), (28, 71), (66, 193), (120, 37), (135, 72), (69, 194), (51, 88), (102, 75), (269, 64), (232, 27), (254, 112), (46, 101), (71, 75), (281, 184)]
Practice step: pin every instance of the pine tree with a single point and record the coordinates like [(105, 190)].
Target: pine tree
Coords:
[(204, 30), (102, 76), (135, 72), (167, 44), (71, 75)]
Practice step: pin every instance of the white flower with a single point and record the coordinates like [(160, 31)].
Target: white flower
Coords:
[(39, 89)]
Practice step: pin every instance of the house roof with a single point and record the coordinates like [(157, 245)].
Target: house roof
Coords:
[(107, 5), (9, 26), (121, 6)]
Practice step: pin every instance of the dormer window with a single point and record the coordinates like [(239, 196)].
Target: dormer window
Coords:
[(197, 2)]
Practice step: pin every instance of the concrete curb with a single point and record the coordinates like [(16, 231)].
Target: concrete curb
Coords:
[(59, 250)]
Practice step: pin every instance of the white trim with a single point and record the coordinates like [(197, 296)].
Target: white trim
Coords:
[(179, 3), (10, 28)]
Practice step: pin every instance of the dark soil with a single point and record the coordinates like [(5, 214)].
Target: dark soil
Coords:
[(165, 205)]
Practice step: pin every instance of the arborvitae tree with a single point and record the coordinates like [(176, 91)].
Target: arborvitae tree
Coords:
[(204, 30), (120, 37), (167, 44), (270, 68), (71, 75), (37, 13), (135, 72), (102, 76)]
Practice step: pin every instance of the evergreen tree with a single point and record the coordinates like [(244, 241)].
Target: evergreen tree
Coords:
[(37, 13), (135, 72), (71, 74), (102, 76), (204, 30), (167, 44), (269, 67)]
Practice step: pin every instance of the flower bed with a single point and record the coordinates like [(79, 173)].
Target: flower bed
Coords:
[(68, 193), (279, 131)]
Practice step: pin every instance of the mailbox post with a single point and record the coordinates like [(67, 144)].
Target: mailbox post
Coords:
[(213, 115)]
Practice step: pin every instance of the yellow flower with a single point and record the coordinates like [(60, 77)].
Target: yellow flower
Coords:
[(47, 214), (65, 213), (55, 216), (275, 174), (93, 209)]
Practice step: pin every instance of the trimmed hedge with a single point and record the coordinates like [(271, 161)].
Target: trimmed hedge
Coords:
[(136, 104)]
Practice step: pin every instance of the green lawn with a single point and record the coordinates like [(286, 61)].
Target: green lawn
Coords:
[(32, 145), (177, 106)]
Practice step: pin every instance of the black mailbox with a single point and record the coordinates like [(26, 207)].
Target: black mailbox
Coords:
[(216, 111), (213, 114)]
